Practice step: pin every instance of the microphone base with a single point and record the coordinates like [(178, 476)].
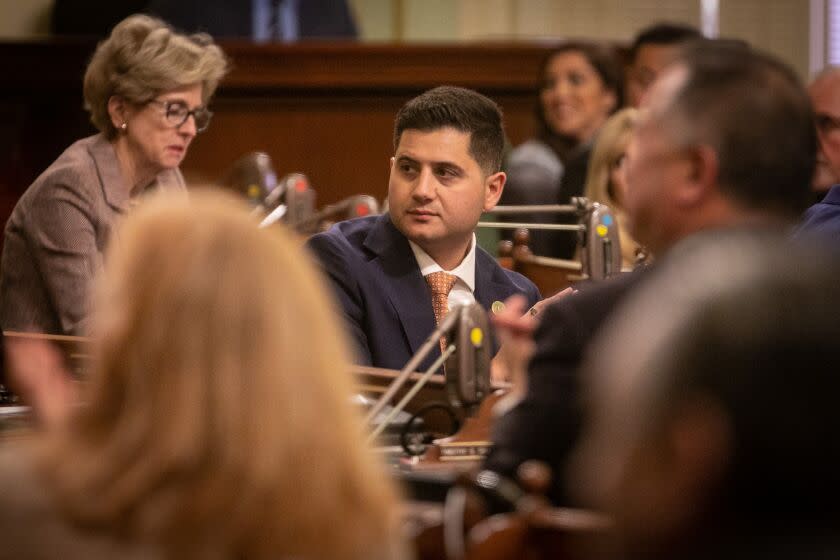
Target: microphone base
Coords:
[(464, 450)]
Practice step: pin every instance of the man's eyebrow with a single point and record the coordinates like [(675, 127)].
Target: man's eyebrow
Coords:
[(404, 158), (445, 163)]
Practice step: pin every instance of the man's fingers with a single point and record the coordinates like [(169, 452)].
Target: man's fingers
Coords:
[(540, 306)]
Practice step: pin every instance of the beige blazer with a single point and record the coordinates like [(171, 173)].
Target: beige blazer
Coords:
[(56, 236)]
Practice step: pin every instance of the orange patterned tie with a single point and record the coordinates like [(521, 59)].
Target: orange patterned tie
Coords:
[(440, 284)]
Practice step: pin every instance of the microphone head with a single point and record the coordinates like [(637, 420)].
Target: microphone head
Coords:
[(345, 209), (362, 205), (253, 176), (299, 198), (600, 254), (467, 370)]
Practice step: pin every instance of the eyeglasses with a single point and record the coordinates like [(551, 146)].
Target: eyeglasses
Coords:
[(826, 124), (177, 114)]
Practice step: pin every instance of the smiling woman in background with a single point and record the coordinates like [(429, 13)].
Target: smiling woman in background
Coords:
[(146, 89), (580, 86)]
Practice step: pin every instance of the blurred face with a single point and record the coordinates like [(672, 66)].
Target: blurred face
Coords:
[(437, 191), (650, 60), (155, 142), (655, 170), (574, 100), (825, 97)]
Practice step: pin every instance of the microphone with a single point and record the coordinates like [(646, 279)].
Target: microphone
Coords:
[(461, 327), (292, 201), (600, 254), (300, 199), (361, 205), (467, 370), (253, 176), (351, 207)]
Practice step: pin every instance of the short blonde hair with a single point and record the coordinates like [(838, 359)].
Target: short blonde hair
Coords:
[(218, 412), (607, 152), (144, 57)]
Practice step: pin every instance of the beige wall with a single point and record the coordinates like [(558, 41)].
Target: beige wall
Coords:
[(24, 18), (778, 26), (781, 26)]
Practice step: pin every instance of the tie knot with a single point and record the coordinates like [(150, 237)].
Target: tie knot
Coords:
[(441, 282)]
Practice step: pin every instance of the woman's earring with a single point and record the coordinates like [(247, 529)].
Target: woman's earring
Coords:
[(123, 126)]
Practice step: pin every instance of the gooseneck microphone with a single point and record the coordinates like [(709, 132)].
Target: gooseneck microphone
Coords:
[(467, 358), (350, 207), (292, 201)]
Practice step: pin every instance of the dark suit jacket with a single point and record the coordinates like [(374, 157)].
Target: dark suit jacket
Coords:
[(233, 18), (220, 18), (823, 218), (385, 299), (546, 424)]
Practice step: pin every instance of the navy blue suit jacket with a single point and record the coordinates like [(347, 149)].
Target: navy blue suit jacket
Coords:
[(385, 299), (823, 218)]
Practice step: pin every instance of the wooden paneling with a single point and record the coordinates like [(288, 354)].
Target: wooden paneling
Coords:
[(322, 109)]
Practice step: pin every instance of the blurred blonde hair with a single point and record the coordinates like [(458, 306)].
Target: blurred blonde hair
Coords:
[(144, 57), (217, 419), (607, 153)]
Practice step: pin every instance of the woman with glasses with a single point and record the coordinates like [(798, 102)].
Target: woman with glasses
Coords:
[(146, 89)]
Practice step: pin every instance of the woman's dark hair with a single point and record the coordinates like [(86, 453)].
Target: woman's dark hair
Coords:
[(604, 60)]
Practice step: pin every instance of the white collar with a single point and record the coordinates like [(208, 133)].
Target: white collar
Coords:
[(464, 271)]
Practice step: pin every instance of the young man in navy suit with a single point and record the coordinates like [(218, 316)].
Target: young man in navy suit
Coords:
[(444, 173)]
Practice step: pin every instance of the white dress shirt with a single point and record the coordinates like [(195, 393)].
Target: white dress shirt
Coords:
[(462, 290)]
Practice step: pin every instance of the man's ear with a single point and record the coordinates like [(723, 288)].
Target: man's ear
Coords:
[(702, 176), (117, 111), (494, 185)]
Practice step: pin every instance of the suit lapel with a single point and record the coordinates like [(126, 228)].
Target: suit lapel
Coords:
[(489, 285), (406, 289)]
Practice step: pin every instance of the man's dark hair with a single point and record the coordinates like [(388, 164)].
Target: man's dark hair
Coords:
[(462, 109), (663, 34), (754, 111)]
